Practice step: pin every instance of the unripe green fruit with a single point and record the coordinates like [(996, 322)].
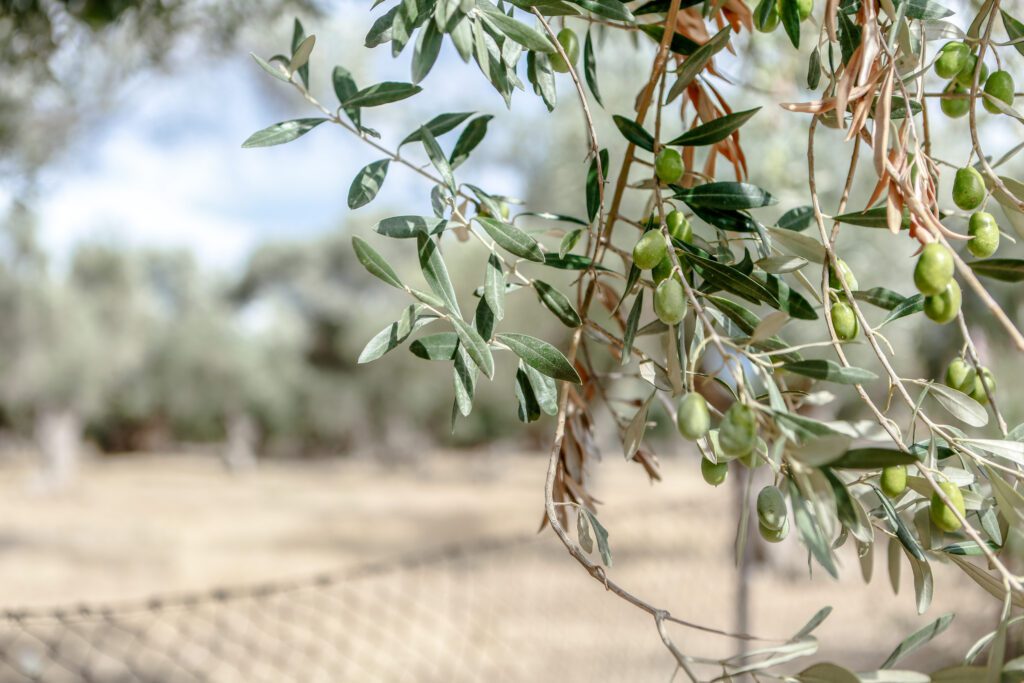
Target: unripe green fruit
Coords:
[(693, 418), (571, 44), (1000, 86), (894, 480), (737, 434), (766, 16), (844, 274), (713, 473), (965, 76), (955, 107), (941, 514), (942, 308), (982, 379), (771, 508), (670, 301), (844, 320), (934, 269), (968, 188), (960, 376), (662, 270), (650, 249), (679, 227), (668, 165), (984, 234), (773, 535), (952, 58)]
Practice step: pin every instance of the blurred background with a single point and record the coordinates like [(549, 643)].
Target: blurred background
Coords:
[(180, 403)]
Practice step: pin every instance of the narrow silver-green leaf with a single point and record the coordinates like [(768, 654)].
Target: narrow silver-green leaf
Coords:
[(557, 303), (367, 183), (541, 355), (512, 239), (375, 263), (494, 286), (381, 93), (436, 274), (475, 346), (283, 132)]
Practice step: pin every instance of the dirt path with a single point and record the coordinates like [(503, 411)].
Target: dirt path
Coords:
[(137, 526)]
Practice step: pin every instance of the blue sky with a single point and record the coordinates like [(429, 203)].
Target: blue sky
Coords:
[(166, 167)]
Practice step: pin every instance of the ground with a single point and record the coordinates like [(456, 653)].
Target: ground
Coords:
[(514, 606)]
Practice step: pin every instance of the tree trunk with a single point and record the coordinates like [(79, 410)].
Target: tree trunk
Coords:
[(58, 433), (240, 450)]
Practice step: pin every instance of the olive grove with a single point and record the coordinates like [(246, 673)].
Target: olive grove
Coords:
[(686, 298)]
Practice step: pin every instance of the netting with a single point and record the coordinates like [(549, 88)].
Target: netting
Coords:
[(514, 609)]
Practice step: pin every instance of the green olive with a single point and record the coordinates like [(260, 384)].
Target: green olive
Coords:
[(773, 535), (960, 376), (679, 227), (1000, 86), (803, 8), (965, 76), (941, 514), (943, 307), (955, 107), (952, 58), (571, 44), (669, 165), (934, 269), (650, 249), (984, 234), (766, 16), (713, 473), (693, 418), (981, 380), (968, 188), (670, 301), (662, 270), (844, 320), (894, 480), (844, 274), (737, 434), (771, 508)]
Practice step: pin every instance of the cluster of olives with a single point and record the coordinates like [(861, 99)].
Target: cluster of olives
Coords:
[(769, 12), (933, 277), (964, 378), (844, 319), (957, 63), (651, 253), (735, 438), (893, 481)]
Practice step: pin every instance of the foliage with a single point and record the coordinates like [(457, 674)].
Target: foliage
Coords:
[(745, 280)]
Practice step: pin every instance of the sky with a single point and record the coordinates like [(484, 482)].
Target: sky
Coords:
[(165, 167)]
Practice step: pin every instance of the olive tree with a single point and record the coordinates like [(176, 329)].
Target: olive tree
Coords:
[(684, 291)]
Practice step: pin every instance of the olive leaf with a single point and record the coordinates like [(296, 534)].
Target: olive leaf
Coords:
[(602, 537), (633, 436), (381, 93), (375, 263), (475, 346), (917, 639), (1002, 269), (797, 219), (407, 227), (527, 407), (696, 62), (872, 458), (541, 355), (632, 322), (594, 184), (471, 136), (511, 238), (367, 183), (881, 297), (527, 36), (437, 126), (713, 131), (872, 218), (590, 68), (583, 531), (725, 195), (557, 303), (494, 286), (830, 371), (394, 334), (634, 132), (436, 274), (909, 306), (439, 346), (283, 132)]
